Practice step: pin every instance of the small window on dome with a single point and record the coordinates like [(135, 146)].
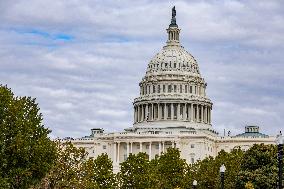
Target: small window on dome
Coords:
[(190, 89), (169, 88), (154, 89), (175, 88), (164, 88), (180, 88), (175, 65), (159, 89)]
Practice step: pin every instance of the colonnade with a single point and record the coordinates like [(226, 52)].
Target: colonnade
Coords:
[(172, 111), (149, 149), (173, 35), (151, 88)]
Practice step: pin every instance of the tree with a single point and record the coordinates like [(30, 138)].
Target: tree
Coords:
[(171, 169), (98, 173), (206, 172), (66, 172), (135, 172), (259, 167), (26, 152)]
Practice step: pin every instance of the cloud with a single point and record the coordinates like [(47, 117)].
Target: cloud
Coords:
[(83, 60)]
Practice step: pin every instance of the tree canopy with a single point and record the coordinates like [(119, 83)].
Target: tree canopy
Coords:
[(26, 152), (259, 167)]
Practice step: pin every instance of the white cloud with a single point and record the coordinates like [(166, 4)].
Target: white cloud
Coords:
[(91, 80)]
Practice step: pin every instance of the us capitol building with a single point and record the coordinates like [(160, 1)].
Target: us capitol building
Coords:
[(172, 110)]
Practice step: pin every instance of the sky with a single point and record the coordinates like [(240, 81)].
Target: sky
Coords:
[(83, 59)]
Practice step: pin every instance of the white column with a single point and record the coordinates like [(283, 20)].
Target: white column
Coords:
[(134, 114), (178, 112), (150, 150), (184, 112), (166, 111), (152, 116), (202, 121), (159, 111), (138, 113), (163, 147), (147, 114), (140, 146), (118, 152), (114, 152), (143, 112), (206, 118), (191, 112), (127, 149), (172, 111), (173, 143), (197, 89), (197, 109), (131, 147), (154, 110), (159, 148), (210, 115), (208, 112)]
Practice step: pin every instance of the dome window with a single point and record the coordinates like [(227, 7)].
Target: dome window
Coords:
[(169, 88)]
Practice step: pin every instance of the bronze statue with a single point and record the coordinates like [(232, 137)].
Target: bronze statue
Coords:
[(174, 13)]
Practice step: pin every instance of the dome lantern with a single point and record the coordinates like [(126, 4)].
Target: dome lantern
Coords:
[(173, 30)]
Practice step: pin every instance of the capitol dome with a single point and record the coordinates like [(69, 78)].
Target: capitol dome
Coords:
[(172, 92)]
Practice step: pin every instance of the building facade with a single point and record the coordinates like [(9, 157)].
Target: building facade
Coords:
[(172, 110)]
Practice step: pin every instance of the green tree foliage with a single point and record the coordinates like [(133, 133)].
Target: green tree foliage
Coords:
[(135, 172), (26, 152), (66, 172), (207, 173), (171, 169), (98, 173), (259, 167)]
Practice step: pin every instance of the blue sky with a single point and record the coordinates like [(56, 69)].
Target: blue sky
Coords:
[(83, 60)]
